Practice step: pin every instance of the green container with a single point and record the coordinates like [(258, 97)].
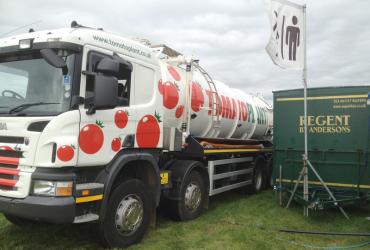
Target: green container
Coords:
[(338, 142)]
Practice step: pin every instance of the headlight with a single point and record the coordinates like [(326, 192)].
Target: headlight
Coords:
[(53, 188)]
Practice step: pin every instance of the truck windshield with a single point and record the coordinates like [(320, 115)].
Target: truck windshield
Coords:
[(28, 79)]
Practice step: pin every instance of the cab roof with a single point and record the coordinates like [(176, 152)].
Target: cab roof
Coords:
[(87, 36)]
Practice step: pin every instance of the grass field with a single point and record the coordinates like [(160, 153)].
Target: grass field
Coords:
[(233, 221)]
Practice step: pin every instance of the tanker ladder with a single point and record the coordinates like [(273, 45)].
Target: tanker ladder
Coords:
[(215, 101), (215, 105)]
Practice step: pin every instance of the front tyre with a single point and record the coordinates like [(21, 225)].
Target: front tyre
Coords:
[(128, 214)]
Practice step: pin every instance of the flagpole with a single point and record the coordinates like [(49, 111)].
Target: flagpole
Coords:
[(305, 156), (285, 8)]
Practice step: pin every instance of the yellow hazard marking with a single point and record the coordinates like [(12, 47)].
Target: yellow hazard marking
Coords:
[(319, 98), (89, 198), (333, 184), (164, 178), (246, 150)]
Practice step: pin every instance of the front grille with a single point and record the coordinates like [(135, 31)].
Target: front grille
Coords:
[(11, 153), (8, 166), (10, 156), (12, 139), (5, 188), (8, 178), (13, 182), (9, 161)]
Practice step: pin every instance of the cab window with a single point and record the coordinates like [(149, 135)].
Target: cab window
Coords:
[(144, 84), (124, 79)]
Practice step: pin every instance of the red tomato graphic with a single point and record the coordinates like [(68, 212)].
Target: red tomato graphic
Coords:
[(65, 153), (197, 97), (121, 118), (91, 138), (6, 148), (179, 111), (170, 95), (175, 75), (160, 86), (116, 144), (148, 131)]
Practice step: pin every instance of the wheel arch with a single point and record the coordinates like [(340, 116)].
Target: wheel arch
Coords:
[(137, 165), (179, 170), (261, 161)]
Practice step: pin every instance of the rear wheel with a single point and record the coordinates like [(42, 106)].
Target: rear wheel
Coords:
[(258, 180), (269, 178), (128, 214), (192, 201)]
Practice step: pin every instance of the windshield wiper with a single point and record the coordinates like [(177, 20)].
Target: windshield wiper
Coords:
[(27, 105)]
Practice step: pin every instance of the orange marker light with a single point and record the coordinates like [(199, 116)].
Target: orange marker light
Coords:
[(64, 189), (85, 192)]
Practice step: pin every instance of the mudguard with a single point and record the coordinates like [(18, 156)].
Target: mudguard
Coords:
[(181, 168), (118, 164)]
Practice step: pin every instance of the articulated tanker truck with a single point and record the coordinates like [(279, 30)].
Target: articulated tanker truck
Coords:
[(95, 127)]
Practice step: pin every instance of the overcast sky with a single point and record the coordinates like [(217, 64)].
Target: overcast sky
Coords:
[(228, 37)]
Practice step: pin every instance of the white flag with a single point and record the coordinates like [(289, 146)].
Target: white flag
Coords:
[(286, 45)]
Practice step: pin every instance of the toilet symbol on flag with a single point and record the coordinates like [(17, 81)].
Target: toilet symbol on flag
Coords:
[(292, 39), (286, 46)]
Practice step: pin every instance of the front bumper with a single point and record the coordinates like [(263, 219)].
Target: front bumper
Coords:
[(49, 209)]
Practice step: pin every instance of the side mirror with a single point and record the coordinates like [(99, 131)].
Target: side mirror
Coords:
[(54, 60), (108, 66), (105, 93)]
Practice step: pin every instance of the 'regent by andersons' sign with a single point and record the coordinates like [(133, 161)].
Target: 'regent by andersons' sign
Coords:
[(326, 124)]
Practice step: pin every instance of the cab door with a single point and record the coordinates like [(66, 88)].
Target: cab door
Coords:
[(133, 123)]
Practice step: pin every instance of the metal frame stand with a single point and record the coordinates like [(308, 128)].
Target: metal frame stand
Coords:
[(321, 181), (306, 162)]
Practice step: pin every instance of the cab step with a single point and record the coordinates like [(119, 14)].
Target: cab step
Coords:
[(86, 218)]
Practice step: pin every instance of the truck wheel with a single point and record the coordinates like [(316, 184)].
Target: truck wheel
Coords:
[(193, 196), (128, 215), (269, 178), (257, 181), (21, 222)]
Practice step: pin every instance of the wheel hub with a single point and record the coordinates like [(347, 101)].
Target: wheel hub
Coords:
[(129, 214), (193, 196)]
